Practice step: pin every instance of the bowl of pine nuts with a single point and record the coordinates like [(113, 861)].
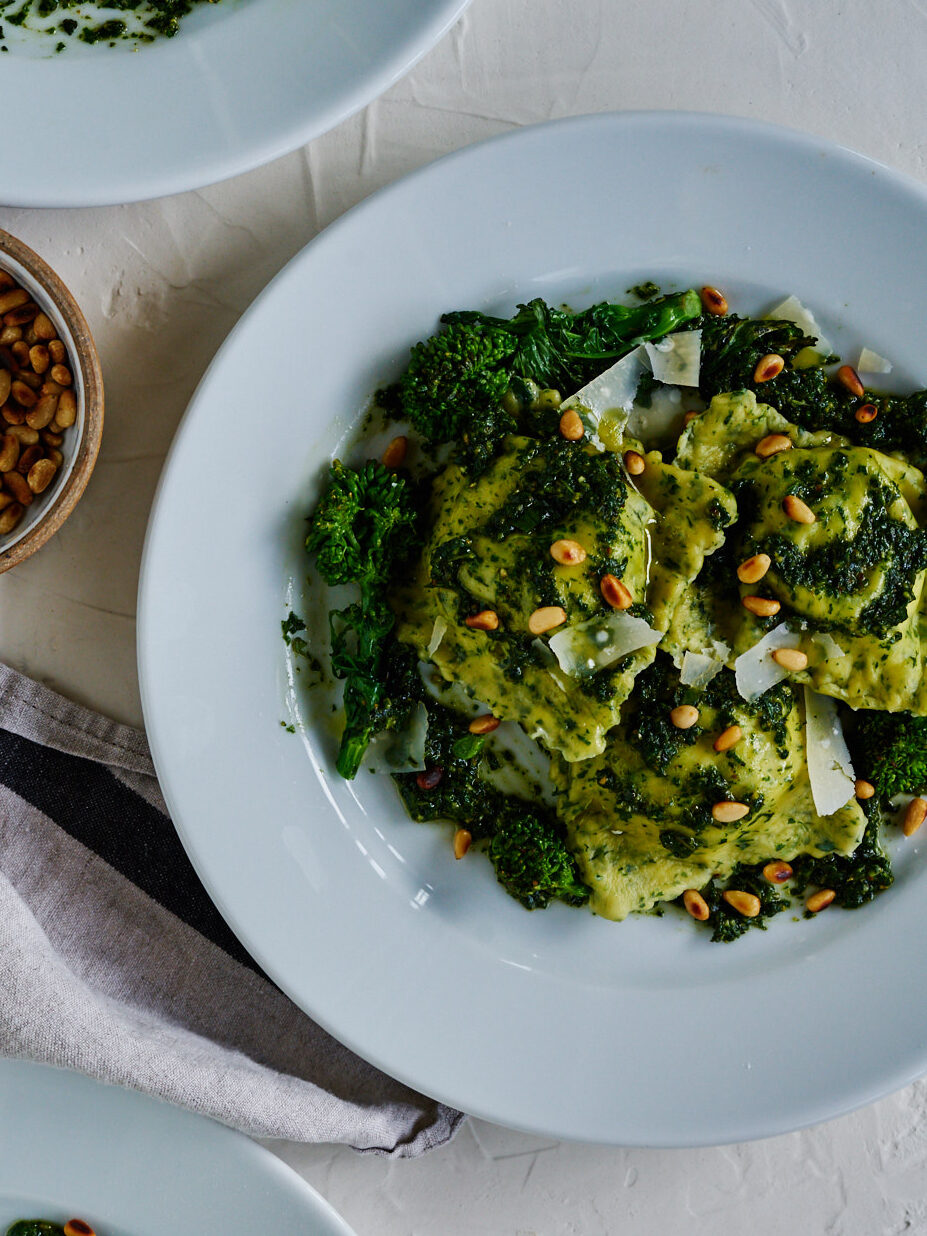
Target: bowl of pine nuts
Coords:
[(51, 402)]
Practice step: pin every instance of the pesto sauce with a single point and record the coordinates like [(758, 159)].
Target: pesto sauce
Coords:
[(158, 18)]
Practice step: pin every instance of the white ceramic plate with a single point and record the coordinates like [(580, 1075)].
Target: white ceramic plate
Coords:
[(242, 82), (634, 1033), (132, 1166)]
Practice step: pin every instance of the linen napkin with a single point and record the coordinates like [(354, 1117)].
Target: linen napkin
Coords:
[(114, 961)]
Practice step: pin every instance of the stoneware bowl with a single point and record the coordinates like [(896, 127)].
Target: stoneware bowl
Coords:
[(79, 442)]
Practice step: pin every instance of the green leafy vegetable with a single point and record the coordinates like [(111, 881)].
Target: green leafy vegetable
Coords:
[(532, 862), (890, 750)]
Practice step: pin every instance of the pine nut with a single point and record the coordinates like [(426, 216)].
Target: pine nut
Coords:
[(6, 381), (866, 414), (9, 452), (77, 1227), (485, 620), (689, 417), (820, 900), (546, 618), (777, 872), (24, 395), (13, 300), (728, 738), (684, 717), (28, 458), (634, 462), (39, 358), (42, 415), (772, 444), (430, 779), (13, 414), (567, 552), (746, 904), (55, 456), (727, 813), (10, 334), (40, 475), (484, 724), (791, 659), (571, 425), (67, 410), (713, 301), (19, 317), (616, 594), (696, 904), (395, 454), (44, 328), (864, 789), (763, 607), (753, 570), (768, 367), (462, 840), (10, 517), (60, 374), (914, 816), (18, 487), (24, 435), (6, 280), (32, 380), (20, 350), (798, 510), (56, 351), (850, 380), (5, 499)]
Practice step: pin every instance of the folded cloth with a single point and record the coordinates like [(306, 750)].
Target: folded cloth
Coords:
[(114, 961)]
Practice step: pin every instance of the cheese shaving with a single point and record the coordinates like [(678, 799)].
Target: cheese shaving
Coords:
[(792, 310), (600, 642), (872, 362), (698, 670), (830, 770), (755, 670), (613, 389), (676, 360), (438, 631), (828, 644)]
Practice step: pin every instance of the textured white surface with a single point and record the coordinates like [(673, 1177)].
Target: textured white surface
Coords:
[(162, 283)]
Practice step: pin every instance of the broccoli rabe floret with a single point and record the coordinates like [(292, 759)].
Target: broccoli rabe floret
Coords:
[(532, 862), (891, 748), (363, 523)]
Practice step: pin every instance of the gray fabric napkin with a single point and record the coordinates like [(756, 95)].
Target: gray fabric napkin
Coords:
[(114, 961)]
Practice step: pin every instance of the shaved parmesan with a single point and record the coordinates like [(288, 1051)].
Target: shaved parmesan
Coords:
[(600, 642), (550, 663), (677, 359), (698, 670), (830, 770), (872, 362), (755, 670), (400, 751), (722, 650), (792, 310), (614, 389), (828, 644), (438, 631), (662, 417)]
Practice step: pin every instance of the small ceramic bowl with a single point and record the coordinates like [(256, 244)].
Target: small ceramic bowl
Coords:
[(73, 449)]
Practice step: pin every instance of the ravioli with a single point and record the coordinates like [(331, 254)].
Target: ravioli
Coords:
[(639, 816), (489, 549), (851, 581)]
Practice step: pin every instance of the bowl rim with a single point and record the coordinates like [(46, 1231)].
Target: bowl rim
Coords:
[(63, 304)]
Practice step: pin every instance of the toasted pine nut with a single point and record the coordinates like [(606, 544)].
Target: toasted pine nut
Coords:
[(13, 414), (462, 840), (6, 381), (866, 414), (42, 415), (43, 327), (768, 367), (10, 334), (18, 487), (696, 904), (39, 358), (713, 301), (50, 438), (747, 904), (616, 593), (19, 317), (13, 300), (798, 510), (485, 620), (30, 379), (28, 458), (567, 552), (67, 410), (546, 618), (9, 452), (571, 425), (60, 374), (772, 444), (728, 738), (820, 900), (763, 607), (684, 716), (24, 435), (864, 789), (430, 779), (850, 380), (791, 659), (40, 475), (55, 456), (5, 499), (914, 816), (777, 872), (20, 350), (395, 454), (10, 517), (727, 813), (484, 724), (24, 395), (6, 280), (753, 570), (77, 1227), (634, 462), (690, 416), (56, 350)]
